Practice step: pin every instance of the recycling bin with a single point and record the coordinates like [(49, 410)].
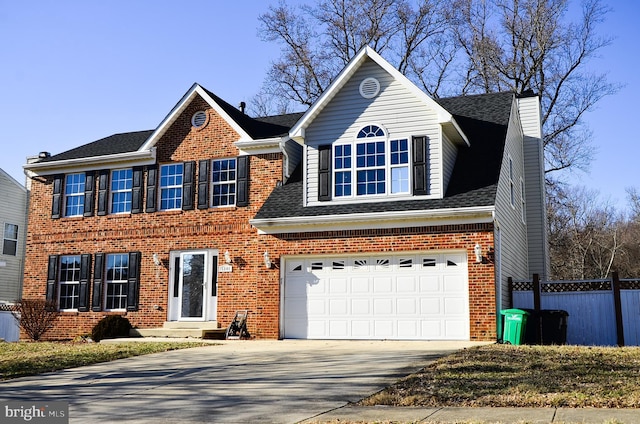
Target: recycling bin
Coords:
[(515, 324)]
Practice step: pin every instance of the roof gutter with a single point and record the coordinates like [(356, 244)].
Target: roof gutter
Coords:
[(375, 220)]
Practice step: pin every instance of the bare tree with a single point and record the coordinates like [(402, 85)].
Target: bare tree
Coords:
[(35, 316), (454, 47), (318, 41)]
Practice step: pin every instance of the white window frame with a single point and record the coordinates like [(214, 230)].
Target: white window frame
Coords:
[(128, 189), (121, 283), (523, 203), (77, 194), (230, 184), (6, 238), (512, 194), (353, 169), (75, 282), (177, 186)]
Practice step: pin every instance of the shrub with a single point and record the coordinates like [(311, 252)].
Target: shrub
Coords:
[(111, 326), (35, 316)]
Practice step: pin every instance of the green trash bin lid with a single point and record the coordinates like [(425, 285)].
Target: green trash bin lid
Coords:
[(514, 312)]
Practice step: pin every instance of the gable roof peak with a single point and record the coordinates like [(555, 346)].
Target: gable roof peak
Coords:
[(444, 117)]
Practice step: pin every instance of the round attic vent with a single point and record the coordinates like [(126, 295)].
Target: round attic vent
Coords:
[(199, 119), (369, 88)]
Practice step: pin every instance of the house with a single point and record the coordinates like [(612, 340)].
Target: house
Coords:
[(379, 213), (13, 221)]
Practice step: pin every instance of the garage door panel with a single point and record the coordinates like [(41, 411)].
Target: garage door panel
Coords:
[(360, 307), (338, 307), (406, 306), (419, 296)]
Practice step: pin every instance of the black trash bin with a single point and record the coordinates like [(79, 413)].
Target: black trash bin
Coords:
[(553, 327)]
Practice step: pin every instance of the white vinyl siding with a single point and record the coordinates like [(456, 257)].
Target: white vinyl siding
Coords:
[(12, 211), (514, 255), (396, 109), (534, 186)]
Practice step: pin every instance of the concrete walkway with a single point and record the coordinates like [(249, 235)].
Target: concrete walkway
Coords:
[(266, 382)]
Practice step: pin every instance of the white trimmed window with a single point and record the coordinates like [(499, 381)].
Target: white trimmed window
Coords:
[(74, 194), (523, 203), (69, 282), (512, 195), (121, 186), (372, 165), (10, 241), (171, 186), (116, 281), (223, 182)]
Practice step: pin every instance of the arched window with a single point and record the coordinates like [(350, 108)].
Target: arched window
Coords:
[(380, 166)]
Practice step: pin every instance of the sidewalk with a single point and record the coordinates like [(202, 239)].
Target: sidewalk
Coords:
[(478, 415)]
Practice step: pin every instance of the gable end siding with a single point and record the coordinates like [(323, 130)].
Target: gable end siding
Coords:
[(397, 110)]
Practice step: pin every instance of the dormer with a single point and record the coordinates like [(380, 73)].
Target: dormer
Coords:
[(374, 136)]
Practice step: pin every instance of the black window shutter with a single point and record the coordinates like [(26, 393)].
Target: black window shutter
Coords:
[(324, 172), (133, 286), (214, 278), (98, 267), (188, 185), (242, 181), (103, 192), (89, 193), (419, 149), (56, 205), (176, 277), (52, 278), (136, 190), (83, 289), (152, 188), (203, 184)]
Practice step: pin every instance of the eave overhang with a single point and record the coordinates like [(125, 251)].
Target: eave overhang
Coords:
[(119, 160), (259, 147), (377, 220)]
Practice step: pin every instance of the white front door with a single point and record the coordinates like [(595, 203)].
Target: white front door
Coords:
[(192, 294)]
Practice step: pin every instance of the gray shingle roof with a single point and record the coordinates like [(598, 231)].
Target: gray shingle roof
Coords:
[(114, 144), (483, 118)]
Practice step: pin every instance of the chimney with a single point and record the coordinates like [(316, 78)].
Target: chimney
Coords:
[(242, 106)]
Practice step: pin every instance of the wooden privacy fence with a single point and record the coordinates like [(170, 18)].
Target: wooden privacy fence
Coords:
[(601, 312)]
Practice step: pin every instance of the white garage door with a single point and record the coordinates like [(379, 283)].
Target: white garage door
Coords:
[(412, 296)]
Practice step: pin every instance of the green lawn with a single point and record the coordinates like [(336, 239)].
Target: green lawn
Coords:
[(523, 376), (30, 358)]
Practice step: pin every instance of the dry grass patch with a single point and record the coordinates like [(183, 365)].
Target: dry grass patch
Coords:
[(31, 358), (523, 376)]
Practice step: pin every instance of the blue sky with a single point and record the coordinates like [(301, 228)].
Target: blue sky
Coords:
[(76, 71)]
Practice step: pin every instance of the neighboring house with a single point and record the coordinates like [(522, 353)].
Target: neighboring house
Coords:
[(377, 214), (13, 227)]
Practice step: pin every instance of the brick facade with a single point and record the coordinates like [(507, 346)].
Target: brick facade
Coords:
[(250, 286)]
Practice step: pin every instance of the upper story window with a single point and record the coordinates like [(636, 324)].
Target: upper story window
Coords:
[(69, 281), (74, 194), (380, 166), (223, 182), (10, 243), (171, 186), (121, 186)]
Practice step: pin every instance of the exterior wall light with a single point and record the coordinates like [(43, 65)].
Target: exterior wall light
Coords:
[(227, 257), (267, 260), (478, 251)]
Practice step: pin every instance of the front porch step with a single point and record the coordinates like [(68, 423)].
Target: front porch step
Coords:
[(199, 330)]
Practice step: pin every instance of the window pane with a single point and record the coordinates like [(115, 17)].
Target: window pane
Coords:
[(400, 180), (121, 184), (74, 194), (171, 186), (69, 282), (117, 270), (224, 182), (10, 242)]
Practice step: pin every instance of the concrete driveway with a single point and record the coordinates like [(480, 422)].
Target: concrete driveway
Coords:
[(236, 382)]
